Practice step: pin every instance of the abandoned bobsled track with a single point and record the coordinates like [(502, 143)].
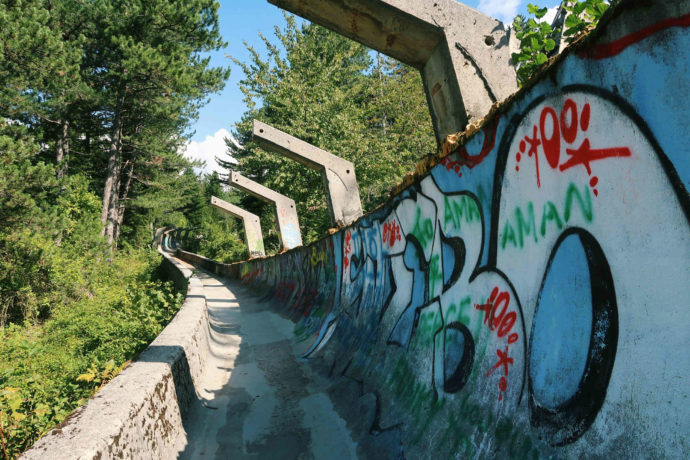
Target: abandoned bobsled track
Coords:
[(525, 295)]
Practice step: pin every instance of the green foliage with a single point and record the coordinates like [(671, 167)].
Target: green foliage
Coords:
[(538, 40), (48, 245), (71, 313), (326, 90), (25, 183), (108, 89), (73, 74), (39, 62), (48, 370), (219, 238), (583, 15), (214, 233)]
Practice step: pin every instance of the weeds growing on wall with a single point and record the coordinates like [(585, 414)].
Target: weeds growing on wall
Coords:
[(539, 39)]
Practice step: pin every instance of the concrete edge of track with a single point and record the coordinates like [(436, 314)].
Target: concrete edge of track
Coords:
[(140, 412)]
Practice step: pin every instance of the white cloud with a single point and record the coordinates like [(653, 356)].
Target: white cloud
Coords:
[(549, 16), (504, 10), (208, 149)]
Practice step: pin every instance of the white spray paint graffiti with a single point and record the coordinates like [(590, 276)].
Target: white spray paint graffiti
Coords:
[(528, 297)]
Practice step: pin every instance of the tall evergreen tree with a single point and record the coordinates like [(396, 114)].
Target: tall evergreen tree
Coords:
[(326, 90), (88, 84), (146, 62), (39, 70)]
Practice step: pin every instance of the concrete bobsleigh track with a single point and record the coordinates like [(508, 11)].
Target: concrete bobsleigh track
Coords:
[(256, 399), (224, 380), (524, 295)]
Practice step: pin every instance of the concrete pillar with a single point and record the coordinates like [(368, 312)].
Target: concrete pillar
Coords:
[(463, 54), (286, 212), (342, 192), (252, 226), (159, 235), (177, 239)]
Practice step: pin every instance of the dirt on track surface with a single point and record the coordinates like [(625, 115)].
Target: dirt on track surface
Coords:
[(256, 400)]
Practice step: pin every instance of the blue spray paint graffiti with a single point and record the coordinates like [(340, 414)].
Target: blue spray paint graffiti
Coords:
[(520, 298)]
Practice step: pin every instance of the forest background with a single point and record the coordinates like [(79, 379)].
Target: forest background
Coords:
[(97, 98), (96, 101)]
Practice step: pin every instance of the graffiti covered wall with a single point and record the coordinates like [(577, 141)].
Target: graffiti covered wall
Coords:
[(528, 296)]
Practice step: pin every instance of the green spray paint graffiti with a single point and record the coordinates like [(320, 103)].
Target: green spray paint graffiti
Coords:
[(525, 222)]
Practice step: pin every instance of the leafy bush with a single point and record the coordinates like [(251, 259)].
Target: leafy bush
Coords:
[(73, 308), (219, 240), (582, 16), (72, 312), (213, 233), (538, 40), (50, 256), (48, 370)]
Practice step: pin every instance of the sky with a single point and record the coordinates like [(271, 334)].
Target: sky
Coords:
[(241, 21)]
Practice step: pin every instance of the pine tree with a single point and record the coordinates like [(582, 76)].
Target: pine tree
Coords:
[(154, 83), (39, 70), (326, 90)]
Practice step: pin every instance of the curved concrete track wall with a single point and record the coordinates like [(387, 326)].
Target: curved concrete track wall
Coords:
[(139, 414), (524, 296), (527, 296)]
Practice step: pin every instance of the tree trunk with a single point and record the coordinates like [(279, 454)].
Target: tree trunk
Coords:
[(129, 166), (63, 149), (87, 143), (114, 208), (112, 181), (384, 121)]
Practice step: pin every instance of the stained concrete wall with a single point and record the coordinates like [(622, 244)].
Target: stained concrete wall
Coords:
[(527, 296), (139, 413), (524, 297)]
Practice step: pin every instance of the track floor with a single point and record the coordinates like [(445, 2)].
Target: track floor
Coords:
[(257, 401)]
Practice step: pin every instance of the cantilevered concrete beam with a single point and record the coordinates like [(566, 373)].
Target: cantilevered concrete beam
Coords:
[(286, 212), (342, 192), (252, 226), (463, 55)]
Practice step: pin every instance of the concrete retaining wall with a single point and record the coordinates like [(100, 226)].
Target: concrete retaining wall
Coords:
[(527, 296), (139, 413)]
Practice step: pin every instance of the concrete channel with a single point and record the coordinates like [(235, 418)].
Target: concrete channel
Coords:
[(256, 399)]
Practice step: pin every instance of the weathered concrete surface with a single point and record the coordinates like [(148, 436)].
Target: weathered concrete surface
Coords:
[(463, 55), (252, 226), (339, 179), (139, 413), (257, 400), (286, 211), (223, 380), (526, 296)]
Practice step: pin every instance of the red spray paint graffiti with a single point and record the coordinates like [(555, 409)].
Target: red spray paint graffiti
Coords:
[(470, 161), (347, 250), (607, 50), (565, 128), (249, 276), (502, 323), (391, 232), (284, 290)]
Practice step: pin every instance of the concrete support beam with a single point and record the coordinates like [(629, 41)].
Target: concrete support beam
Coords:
[(463, 55), (286, 212), (342, 192), (252, 226)]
